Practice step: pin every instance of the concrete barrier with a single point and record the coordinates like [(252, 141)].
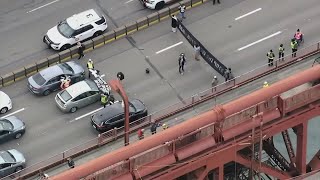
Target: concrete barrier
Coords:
[(106, 38)]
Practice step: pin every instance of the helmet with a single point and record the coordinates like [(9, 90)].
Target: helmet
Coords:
[(90, 60), (181, 54), (265, 83), (164, 125), (214, 77), (142, 130)]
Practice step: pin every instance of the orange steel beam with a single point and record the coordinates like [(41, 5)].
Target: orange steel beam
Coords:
[(192, 124), (302, 131)]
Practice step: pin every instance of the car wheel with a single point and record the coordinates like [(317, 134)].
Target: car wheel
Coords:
[(18, 135), (19, 168), (73, 109), (3, 110), (46, 92), (96, 34), (64, 47), (159, 5)]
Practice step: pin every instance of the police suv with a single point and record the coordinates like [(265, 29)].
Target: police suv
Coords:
[(76, 28), (156, 4)]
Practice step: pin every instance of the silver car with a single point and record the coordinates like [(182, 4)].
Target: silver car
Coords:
[(49, 79), (11, 128), (77, 96), (11, 161)]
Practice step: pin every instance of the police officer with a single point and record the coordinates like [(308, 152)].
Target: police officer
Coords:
[(270, 56), (294, 47), (281, 52), (103, 100), (90, 65)]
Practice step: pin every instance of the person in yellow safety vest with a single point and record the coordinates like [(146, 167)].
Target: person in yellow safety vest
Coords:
[(65, 83), (281, 52), (104, 100), (90, 66), (164, 126), (294, 47), (270, 56), (265, 84)]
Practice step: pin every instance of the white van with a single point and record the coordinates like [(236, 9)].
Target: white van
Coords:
[(76, 28)]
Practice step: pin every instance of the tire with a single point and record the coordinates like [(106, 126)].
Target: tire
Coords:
[(159, 5), (18, 135), (64, 47), (73, 109), (96, 34), (3, 110), (46, 92), (19, 168)]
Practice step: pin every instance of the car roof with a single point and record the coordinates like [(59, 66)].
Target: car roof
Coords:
[(78, 20), (81, 87), (51, 72), (109, 112)]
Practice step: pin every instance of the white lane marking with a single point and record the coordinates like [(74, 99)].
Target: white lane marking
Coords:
[(15, 112), (249, 13), (260, 40), (43, 6), (89, 113), (129, 1), (169, 47)]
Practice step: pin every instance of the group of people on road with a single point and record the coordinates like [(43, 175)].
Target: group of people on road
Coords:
[(153, 129), (294, 43)]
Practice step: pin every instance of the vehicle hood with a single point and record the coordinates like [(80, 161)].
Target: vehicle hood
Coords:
[(138, 105), (55, 36), (17, 123), (33, 83), (17, 155), (4, 99)]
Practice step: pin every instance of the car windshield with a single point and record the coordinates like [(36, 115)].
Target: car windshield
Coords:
[(65, 29), (66, 68), (132, 108), (38, 79), (65, 96), (5, 125), (7, 157)]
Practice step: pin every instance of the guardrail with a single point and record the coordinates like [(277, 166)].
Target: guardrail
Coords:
[(96, 42), (209, 94)]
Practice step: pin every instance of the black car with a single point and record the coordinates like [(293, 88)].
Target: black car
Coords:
[(113, 115), (11, 128)]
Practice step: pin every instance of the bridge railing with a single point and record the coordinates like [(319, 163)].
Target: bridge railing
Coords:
[(143, 163), (169, 111)]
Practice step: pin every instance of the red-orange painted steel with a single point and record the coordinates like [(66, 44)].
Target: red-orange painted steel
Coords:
[(190, 125)]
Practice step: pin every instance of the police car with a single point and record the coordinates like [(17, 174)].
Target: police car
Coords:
[(76, 28)]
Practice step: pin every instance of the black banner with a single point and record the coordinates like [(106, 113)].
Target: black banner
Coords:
[(206, 55)]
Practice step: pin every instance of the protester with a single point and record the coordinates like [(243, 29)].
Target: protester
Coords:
[(182, 61), (141, 134), (215, 81), (281, 52), (182, 9), (197, 52), (80, 50), (174, 23), (270, 56), (70, 163)]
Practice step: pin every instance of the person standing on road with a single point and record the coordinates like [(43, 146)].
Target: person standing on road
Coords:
[(141, 134), (197, 52), (281, 52), (227, 74), (215, 81), (214, 2), (294, 47), (103, 100), (80, 50), (182, 61), (270, 56), (174, 23), (154, 127), (90, 65), (182, 9), (265, 84), (70, 163)]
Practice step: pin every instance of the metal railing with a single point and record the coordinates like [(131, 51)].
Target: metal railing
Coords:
[(169, 111)]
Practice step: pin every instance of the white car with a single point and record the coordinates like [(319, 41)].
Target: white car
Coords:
[(76, 28), (156, 4), (5, 103)]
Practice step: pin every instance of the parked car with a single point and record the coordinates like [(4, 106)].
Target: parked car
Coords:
[(77, 96), (11, 127), (76, 28), (156, 4), (49, 79), (5, 103), (113, 115), (11, 161)]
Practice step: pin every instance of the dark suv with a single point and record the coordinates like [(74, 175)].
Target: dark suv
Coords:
[(113, 115)]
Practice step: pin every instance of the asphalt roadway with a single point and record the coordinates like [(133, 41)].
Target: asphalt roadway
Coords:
[(49, 131)]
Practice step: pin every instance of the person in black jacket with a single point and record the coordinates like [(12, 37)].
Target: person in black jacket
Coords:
[(182, 61), (80, 50), (174, 23)]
